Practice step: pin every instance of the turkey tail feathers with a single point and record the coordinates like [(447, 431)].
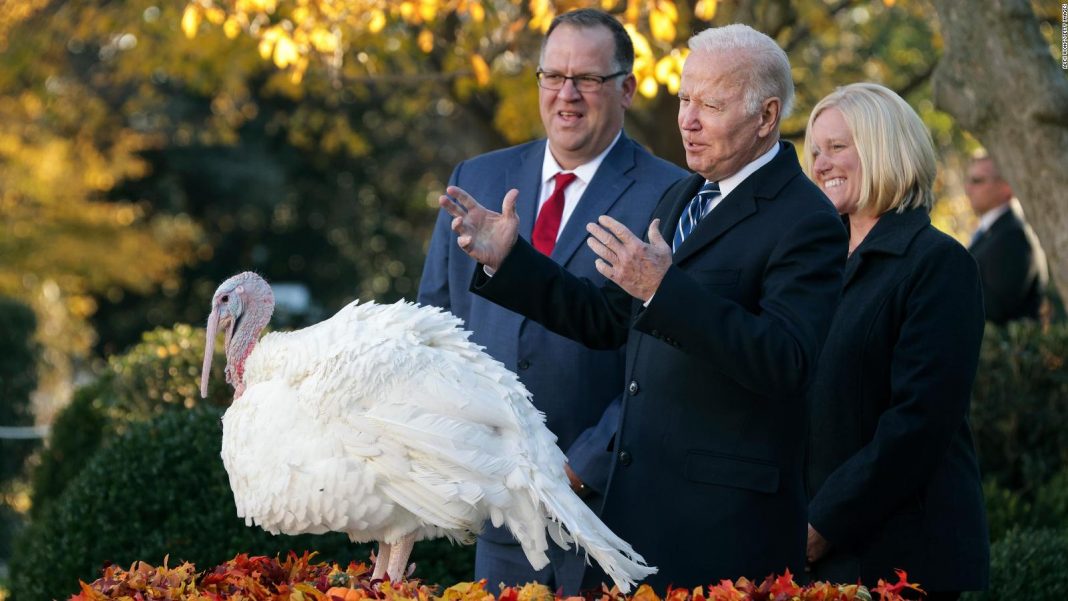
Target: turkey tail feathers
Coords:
[(615, 556)]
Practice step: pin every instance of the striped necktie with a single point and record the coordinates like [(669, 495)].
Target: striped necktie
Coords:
[(697, 209)]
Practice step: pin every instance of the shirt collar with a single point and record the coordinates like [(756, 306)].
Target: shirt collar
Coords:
[(585, 171), (728, 184), (992, 215)]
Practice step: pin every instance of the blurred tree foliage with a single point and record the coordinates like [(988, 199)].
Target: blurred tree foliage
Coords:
[(142, 166)]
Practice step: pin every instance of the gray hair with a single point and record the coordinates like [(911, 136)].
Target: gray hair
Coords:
[(769, 75)]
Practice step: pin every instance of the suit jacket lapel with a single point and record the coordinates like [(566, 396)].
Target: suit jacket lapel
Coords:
[(609, 183), (732, 209), (526, 177), (765, 183)]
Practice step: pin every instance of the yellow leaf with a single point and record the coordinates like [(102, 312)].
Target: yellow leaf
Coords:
[(889, 2), (641, 45), (482, 70), (668, 8), (323, 40), (378, 21), (541, 15), (191, 20), (428, 9), (266, 48), (231, 28), (705, 10), (662, 28), (607, 5), (633, 12), (426, 41), (215, 15), (477, 12), (664, 67), (285, 51), (673, 82), (648, 87)]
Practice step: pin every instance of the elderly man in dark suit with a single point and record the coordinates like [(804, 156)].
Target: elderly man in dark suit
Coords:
[(1011, 262), (722, 310), (586, 167)]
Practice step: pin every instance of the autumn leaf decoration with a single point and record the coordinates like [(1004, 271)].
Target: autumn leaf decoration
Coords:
[(299, 578)]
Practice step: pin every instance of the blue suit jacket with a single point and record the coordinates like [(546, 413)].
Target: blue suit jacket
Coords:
[(572, 384)]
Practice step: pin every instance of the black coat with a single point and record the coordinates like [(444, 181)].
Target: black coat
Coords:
[(707, 482), (1012, 268), (891, 466)]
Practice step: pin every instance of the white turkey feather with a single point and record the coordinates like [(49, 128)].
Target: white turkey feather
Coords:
[(386, 422)]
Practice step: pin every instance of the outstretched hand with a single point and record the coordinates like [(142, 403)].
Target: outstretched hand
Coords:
[(635, 266), (486, 236)]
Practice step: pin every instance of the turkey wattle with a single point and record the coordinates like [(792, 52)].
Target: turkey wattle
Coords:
[(386, 423)]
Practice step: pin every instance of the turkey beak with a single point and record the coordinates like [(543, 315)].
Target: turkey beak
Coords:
[(209, 350)]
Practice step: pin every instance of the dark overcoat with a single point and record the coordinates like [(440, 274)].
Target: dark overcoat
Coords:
[(707, 480), (1012, 268), (891, 467)]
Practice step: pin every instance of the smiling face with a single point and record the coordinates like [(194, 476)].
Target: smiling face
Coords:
[(718, 133), (580, 125), (835, 160)]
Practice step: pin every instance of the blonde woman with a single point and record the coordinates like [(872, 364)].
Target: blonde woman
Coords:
[(892, 474)]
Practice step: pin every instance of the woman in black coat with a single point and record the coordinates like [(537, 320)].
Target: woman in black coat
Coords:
[(891, 469)]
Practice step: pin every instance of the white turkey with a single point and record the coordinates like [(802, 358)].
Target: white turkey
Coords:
[(386, 423)]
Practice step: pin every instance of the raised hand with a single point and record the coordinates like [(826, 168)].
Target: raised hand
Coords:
[(486, 236), (635, 266)]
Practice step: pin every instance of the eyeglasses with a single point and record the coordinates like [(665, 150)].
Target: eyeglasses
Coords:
[(583, 83)]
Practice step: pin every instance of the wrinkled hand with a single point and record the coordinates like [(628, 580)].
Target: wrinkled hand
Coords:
[(635, 266), (486, 236), (817, 546)]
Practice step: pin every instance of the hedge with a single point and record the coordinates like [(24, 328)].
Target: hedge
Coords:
[(159, 490), (1028, 564)]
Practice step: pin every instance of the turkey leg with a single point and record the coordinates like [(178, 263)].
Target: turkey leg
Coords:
[(381, 561), (398, 558)]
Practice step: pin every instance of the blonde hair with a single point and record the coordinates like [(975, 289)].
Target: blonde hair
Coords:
[(897, 158)]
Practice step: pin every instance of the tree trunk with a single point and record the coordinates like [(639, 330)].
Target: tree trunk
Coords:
[(999, 81)]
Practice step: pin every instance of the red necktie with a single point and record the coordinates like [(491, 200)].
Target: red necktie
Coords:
[(548, 223)]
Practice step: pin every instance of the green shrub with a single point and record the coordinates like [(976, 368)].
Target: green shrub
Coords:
[(1020, 404), (163, 371), (160, 372), (1028, 564), (1051, 502), (160, 490), (1046, 507), (1005, 510), (77, 432), (18, 378)]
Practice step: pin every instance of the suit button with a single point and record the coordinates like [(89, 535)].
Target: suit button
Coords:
[(655, 333), (633, 388), (523, 364), (625, 458)]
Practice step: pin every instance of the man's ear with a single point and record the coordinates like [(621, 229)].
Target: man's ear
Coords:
[(630, 84), (770, 112)]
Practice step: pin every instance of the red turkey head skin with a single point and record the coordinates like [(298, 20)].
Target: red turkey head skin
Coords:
[(242, 307)]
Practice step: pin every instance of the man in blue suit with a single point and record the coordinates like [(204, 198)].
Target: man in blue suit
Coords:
[(722, 309), (587, 167)]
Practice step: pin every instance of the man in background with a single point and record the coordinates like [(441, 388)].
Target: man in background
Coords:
[(1012, 265), (586, 167)]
